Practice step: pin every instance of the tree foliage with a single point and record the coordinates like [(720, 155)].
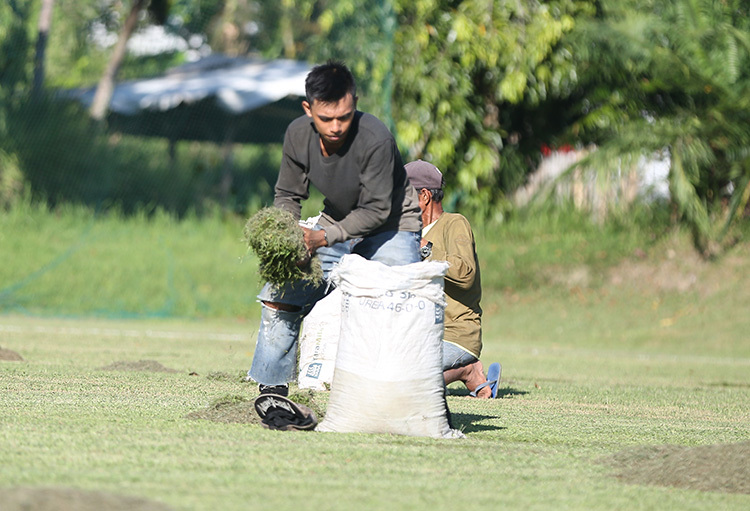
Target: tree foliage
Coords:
[(477, 86), (674, 75), (466, 83), (15, 78), (472, 81), (15, 47)]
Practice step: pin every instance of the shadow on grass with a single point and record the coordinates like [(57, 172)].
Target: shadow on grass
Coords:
[(472, 422), (501, 393)]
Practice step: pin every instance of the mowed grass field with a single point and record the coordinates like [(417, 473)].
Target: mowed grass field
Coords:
[(626, 385)]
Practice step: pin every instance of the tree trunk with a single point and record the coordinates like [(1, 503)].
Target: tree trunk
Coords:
[(45, 22), (230, 32), (104, 90), (287, 31)]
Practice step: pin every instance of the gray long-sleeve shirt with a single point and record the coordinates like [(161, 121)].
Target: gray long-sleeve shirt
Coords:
[(364, 183)]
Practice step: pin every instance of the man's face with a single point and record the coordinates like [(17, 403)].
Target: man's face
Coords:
[(332, 120)]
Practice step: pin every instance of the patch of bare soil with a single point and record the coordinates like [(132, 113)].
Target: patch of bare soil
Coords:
[(681, 273), (228, 409), (70, 499), (240, 409), (9, 355), (141, 365), (715, 468), (679, 268)]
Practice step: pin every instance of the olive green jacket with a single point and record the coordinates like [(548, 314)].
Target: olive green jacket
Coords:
[(453, 241)]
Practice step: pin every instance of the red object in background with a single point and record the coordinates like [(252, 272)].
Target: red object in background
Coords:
[(547, 150)]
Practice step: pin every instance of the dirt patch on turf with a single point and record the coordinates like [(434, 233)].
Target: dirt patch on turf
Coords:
[(715, 468), (141, 365), (677, 267), (69, 499), (240, 409), (228, 409), (680, 274), (9, 355)]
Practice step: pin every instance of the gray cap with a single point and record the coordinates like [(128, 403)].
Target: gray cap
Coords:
[(424, 175)]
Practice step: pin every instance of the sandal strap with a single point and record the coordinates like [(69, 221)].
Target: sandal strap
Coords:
[(480, 387)]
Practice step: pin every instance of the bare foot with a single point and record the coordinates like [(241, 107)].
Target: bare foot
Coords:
[(472, 376), (476, 378)]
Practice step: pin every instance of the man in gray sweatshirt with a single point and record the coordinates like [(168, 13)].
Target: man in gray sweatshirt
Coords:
[(370, 209)]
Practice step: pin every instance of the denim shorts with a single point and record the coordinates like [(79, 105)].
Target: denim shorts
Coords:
[(454, 356)]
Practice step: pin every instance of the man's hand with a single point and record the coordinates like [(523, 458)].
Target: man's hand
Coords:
[(314, 239)]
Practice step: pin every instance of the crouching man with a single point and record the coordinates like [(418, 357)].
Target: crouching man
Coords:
[(448, 237)]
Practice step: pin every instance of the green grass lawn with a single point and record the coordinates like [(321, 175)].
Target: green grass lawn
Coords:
[(565, 412), (625, 378)]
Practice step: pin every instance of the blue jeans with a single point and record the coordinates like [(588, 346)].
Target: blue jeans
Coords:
[(275, 358)]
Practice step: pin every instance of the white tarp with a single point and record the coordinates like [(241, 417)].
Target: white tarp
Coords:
[(237, 85)]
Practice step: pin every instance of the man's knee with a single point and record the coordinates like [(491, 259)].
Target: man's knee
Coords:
[(282, 306)]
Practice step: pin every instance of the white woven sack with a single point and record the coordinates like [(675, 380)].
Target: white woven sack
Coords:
[(318, 342), (388, 376)]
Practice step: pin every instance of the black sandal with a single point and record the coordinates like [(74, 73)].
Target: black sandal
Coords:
[(281, 413)]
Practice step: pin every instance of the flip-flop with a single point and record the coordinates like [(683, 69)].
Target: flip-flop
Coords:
[(281, 413), (493, 380)]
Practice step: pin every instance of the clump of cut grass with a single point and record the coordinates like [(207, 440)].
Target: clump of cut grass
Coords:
[(228, 409), (275, 237), (223, 376)]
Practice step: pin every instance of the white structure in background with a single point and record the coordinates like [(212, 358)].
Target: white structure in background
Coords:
[(236, 84), (221, 99), (654, 176), (153, 40), (598, 192)]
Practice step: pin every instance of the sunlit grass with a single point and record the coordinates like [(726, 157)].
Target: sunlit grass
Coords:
[(609, 339)]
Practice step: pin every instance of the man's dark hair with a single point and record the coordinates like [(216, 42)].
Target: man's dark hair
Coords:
[(329, 82), (437, 194)]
